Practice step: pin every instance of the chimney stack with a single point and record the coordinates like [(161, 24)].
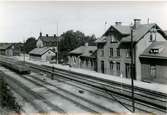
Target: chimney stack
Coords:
[(40, 34), (118, 23), (54, 35), (137, 22), (46, 35)]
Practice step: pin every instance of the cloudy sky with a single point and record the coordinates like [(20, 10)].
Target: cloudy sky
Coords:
[(20, 20)]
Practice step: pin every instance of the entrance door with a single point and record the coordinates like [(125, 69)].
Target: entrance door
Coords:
[(102, 66), (127, 70)]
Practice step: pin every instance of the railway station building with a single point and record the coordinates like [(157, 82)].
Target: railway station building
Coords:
[(114, 52), (83, 57)]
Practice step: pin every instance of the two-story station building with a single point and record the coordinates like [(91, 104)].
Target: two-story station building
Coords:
[(113, 48)]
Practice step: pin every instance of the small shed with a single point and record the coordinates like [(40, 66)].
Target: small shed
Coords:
[(83, 57), (43, 54)]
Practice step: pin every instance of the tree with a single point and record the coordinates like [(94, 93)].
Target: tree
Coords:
[(29, 44), (70, 40)]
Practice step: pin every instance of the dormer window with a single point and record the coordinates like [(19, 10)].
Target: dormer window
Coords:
[(90, 51), (155, 50)]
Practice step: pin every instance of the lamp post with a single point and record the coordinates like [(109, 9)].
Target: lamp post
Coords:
[(132, 70)]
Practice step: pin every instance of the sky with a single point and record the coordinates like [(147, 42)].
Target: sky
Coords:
[(20, 20)]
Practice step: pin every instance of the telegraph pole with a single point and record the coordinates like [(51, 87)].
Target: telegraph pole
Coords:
[(132, 71), (24, 51), (57, 46)]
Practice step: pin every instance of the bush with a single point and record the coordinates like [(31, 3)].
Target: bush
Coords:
[(7, 100)]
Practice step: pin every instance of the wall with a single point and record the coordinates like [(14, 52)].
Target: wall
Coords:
[(35, 57), (161, 70), (122, 59), (39, 43), (47, 56), (9, 52), (82, 62)]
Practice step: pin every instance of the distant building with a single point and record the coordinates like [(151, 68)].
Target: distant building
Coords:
[(46, 48), (83, 57), (47, 41), (113, 48), (9, 49), (154, 63), (43, 54)]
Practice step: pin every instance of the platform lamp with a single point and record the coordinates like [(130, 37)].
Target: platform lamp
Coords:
[(132, 68)]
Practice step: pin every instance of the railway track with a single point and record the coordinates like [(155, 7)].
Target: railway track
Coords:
[(30, 95), (98, 92), (79, 101), (148, 100), (90, 89), (83, 103)]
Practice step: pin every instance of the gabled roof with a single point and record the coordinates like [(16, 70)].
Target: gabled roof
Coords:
[(138, 33), (141, 31), (122, 29), (48, 38), (4, 46), (161, 46), (84, 51), (40, 51)]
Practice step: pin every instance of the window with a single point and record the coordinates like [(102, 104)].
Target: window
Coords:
[(118, 67), (153, 34), (113, 40), (111, 52), (128, 53), (87, 62), (118, 52), (151, 37), (154, 51), (111, 65), (102, 66), (102, 52)]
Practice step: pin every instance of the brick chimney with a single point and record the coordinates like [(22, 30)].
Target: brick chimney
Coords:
[(118, 23), (40, 34), (137, 22)]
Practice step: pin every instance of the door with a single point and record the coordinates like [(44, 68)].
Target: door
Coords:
[(152, 71), (127, 70), (102, 66)]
